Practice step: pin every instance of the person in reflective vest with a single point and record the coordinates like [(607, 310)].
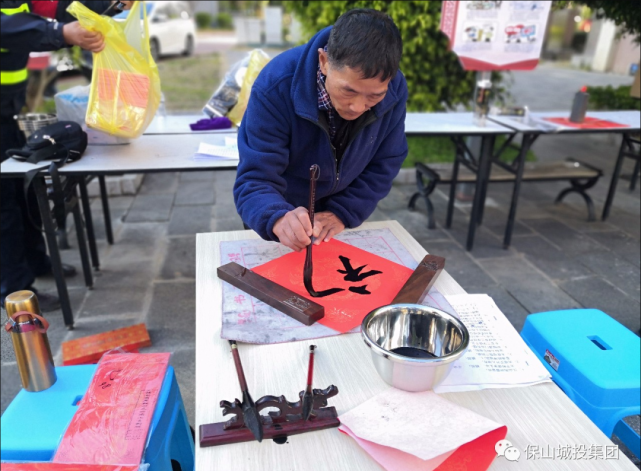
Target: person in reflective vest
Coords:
[(30, 26)]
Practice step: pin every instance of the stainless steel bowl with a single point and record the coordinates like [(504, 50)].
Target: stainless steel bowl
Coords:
[(437, 336)]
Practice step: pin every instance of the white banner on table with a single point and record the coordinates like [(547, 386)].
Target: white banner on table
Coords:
[(497, 356), (496, 35)]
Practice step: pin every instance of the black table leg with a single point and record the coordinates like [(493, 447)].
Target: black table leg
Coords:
[(82, 243), (54, 253), (450, 203), (91, 235), (105, 209), (615, 178), (485, 165), (528, 140)]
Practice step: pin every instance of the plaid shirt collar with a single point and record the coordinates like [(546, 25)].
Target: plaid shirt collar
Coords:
[(325, 102)]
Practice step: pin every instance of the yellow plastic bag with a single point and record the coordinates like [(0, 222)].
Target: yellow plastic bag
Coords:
[(125, 85), (257, 60)]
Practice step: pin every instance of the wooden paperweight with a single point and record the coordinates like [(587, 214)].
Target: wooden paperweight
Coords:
[(277, 296)]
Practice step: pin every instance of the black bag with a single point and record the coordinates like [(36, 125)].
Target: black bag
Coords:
[(64, 141), (61, 142)]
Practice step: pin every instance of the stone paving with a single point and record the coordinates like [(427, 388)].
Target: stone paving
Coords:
[(557, 260)]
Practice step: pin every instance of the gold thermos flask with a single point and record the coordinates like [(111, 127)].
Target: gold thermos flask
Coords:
[(28, 331)]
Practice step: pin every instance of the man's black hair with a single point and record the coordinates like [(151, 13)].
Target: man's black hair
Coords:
[(366, 40)]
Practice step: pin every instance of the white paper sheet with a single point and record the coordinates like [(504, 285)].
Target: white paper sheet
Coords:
[(392, 416), (497, 356), (209, 151)]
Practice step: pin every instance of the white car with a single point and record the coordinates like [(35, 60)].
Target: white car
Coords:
[(172, 29)]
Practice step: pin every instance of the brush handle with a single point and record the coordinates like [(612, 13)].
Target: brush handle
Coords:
[(310, 368), (239, 366)]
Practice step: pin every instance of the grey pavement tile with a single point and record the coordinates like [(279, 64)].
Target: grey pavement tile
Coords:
[(486, 244), (626, 222), (224, 210), (460, 265), (565, 238), (171, 318), (159, 183), (547, 258), (105, 301), (151, 208), (187, 220), (621, 244), (594, 292), (529, 287), (195, 193), (115, 202), (140, 242), (10, 385), (180, 261), (617, 271), (134, 272), (227, 224), (519, 229), (198, 176), (99, 227), (508, 305)]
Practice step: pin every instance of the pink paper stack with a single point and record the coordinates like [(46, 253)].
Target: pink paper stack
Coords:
[(406, 431)]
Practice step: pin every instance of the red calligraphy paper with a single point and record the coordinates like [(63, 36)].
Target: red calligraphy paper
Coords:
[(112, 421), (48, 466), (346, 309), (588, 123)]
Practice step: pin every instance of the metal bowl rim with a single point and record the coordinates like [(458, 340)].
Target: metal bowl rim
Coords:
[(455, 355)]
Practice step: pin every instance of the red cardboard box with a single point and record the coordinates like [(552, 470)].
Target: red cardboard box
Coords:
[(90, 349)]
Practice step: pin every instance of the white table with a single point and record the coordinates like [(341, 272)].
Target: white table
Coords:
[(534, 124), (179, 124), (538, 415), (147, 154)]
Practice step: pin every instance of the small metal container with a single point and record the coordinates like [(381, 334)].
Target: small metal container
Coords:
[(31, 122), (414, 346)]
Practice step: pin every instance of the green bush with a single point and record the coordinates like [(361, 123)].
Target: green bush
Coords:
[(609, 98), (435, 79), (224, 21), (203, 20)]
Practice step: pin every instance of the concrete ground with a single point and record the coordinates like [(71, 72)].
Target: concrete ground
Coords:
[(557, 259)]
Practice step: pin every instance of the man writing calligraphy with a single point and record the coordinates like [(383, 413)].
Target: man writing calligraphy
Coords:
[(339, 102)]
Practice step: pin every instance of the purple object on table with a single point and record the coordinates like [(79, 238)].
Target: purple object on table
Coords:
[(211, 123)]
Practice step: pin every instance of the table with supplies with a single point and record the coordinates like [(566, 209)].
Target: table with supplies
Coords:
[(538, 415)]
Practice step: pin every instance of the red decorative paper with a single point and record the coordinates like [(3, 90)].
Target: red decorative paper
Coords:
[(48, 466), (588, 123), (346, 309), (476, 455), (113, 419)]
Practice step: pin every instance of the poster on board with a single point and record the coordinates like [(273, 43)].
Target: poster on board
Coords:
[(496, 35)]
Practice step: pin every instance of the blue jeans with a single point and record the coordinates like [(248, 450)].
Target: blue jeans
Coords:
[(23, 253)]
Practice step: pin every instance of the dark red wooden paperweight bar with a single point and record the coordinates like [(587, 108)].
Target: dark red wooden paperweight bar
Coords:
[(419, 283), (278, 297), (277, 425)]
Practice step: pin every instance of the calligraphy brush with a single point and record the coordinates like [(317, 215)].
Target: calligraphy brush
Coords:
[(250, 413), (308, 270), (308, 397)]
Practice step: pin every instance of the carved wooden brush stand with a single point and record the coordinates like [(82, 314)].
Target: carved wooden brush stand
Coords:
[(277, 425)]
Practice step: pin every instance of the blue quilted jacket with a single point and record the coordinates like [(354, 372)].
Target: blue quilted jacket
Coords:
[(281, 137)]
